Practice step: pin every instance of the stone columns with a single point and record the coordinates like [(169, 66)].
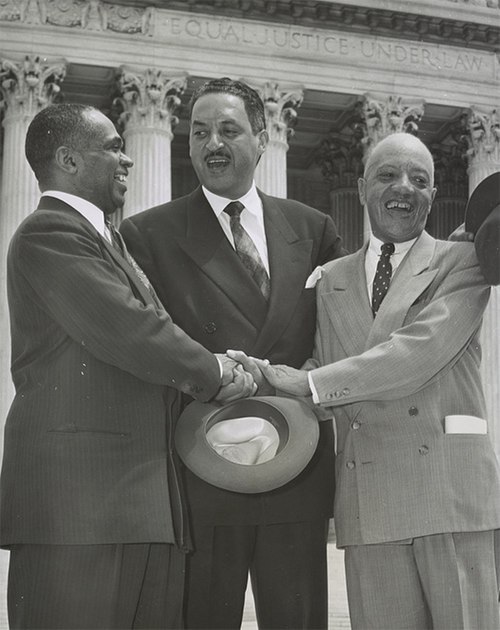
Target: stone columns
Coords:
[(280, 105), (149, 99), (26, 87), (484, 159)]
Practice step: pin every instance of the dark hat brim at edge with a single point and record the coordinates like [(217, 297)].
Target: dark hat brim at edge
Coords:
[(484, 198), (295, 421)]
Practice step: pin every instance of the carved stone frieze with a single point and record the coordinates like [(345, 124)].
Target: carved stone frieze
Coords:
[(92, 15), (140, 17), (30, 85)]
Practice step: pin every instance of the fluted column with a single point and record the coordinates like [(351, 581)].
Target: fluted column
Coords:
[(280, 105), (384, 116), (149, 98), (26, 87), (484, 159)]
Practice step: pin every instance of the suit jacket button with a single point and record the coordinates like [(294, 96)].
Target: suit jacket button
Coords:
[(210, 328), (423, 450), (355, 425), (413, 411), (350, 465), (346, 391), (338, 394)]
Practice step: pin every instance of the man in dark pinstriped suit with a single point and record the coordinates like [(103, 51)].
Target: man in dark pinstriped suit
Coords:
[(90, 508)]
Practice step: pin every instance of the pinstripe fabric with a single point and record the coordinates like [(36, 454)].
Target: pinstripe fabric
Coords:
[(85, 457), (398, 474)]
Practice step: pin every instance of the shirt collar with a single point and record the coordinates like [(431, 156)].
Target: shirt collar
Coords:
[(400, 249), (91, 212), (250, 200)]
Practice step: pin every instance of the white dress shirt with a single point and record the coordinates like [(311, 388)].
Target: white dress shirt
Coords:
[(252, 219)]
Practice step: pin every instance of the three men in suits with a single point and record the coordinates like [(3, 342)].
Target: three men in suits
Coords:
[(418, 482), (188, 250), (90, 505)]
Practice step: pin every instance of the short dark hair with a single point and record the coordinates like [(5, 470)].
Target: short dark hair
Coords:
[(254, 105), (59, 125)]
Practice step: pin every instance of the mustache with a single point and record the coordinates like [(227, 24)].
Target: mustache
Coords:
[(216, 154)]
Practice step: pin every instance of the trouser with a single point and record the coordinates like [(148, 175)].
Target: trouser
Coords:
[(68, 587), (288, 570), (444, 581)]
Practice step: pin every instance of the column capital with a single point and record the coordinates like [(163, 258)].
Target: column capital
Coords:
[(389, 114), (27, 86), (280, 106), (149, 98), (340, 154), (484, 135)]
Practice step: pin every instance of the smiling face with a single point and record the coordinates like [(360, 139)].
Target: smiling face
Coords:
[(223, 148), (102, 166), (398, 188)]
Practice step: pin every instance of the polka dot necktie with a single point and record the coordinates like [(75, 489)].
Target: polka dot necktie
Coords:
[(382, 276), (246, 250)]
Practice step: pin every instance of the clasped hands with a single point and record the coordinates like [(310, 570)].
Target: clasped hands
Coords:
[(245, 376)]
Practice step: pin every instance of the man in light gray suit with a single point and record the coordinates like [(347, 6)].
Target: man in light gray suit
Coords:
[(418, 482)]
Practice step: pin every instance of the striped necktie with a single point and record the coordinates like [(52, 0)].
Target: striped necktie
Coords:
[(246, 250)]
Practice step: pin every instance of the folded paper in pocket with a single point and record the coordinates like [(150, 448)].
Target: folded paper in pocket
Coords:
[(465, 424)]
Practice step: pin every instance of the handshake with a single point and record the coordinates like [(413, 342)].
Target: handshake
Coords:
[(244, 376)]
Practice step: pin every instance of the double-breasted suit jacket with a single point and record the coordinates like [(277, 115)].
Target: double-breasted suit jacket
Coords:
[(204, 286), (392, 381), (86, 451)]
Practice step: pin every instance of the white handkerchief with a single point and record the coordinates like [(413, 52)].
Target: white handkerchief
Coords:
[(465, 424), (314, 277)]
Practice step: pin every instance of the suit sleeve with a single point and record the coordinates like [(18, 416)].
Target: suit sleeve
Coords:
[(89, 297), (418, 352)]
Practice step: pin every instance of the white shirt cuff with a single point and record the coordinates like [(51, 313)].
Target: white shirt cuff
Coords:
[(315, 397)]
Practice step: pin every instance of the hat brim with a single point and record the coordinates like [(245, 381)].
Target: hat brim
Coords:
[(484, 198), (297, 426)]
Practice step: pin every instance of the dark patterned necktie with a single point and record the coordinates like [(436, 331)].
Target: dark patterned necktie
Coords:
[(382, 276), (246, 250), (119, 244)]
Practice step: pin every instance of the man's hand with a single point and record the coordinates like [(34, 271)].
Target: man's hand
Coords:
[(250, 365), (235, 383), (460, 234), (285, 378)]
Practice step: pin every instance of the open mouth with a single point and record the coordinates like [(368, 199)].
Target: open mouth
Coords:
[(216, 163), (121, 178)]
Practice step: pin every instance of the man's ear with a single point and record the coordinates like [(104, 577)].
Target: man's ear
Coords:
[(66, 159), (263, 140)]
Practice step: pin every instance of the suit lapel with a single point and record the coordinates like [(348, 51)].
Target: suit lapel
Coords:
[(411, 279), (56, 205), (206, 244), (289, 265), (345, 300)]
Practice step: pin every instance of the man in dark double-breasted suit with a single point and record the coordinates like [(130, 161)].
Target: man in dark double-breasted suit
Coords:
[(189, 252)]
